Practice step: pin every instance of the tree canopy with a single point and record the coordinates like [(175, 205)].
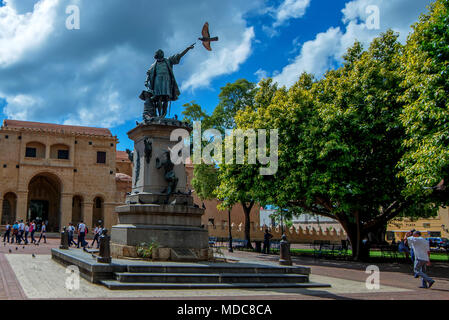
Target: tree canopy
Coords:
[(425, 69)]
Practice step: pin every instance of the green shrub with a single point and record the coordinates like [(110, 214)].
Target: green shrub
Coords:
[(145, 250)]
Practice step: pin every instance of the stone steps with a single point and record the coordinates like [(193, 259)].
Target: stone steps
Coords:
[(211, 278), (116, 285), (124, 274), (217, 268)]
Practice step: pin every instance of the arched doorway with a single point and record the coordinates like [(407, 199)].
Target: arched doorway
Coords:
[(77, 210), (9, 208), (44, 201), (98, 211)]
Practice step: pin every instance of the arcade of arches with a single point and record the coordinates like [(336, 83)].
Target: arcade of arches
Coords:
[(44, 204), (52, 173)]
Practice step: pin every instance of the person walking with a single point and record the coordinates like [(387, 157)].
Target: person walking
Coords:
[(7, 232), (402, 247), (81, 234), (32, 231), (266, 242), (71, 230), (27, 230), (43, 233), (21, 231), (15, 232), (422, 257), (97, 233)]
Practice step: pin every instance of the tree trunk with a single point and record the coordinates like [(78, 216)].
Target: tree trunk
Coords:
[(247, 211), (356, 234)]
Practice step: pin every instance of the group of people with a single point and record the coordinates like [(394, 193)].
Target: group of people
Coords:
[(23, 233), (81, 230), (19, 231)]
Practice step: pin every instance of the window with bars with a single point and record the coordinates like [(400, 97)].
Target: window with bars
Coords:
[(63, 154), (31, 152), (101, 157)]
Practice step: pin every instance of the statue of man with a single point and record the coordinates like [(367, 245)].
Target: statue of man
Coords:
[(161, 81)]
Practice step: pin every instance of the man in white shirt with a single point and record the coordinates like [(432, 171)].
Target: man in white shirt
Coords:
[(422, 257), (21, 230), (71, 231), (81, 234)]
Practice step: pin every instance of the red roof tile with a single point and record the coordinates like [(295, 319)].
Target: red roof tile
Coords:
[(15, 124), (121, 155)]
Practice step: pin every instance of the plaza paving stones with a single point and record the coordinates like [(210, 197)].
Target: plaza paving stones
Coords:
[(25, 277), (41, 277)]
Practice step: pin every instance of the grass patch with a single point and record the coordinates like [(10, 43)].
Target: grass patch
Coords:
[(374, 255)]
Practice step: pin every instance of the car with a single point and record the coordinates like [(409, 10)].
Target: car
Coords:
[(438, 242)]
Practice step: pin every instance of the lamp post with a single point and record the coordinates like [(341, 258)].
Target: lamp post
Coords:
[(230, 231)]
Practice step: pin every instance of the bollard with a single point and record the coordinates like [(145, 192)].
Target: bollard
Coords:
[(64, 240), (258, 246), (105, 248), (284, 256)]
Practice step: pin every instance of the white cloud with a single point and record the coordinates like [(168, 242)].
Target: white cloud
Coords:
[(314, 57), (290, 9), (93, 76), (224, 61), (287, 10), (330, 46), (20, 33), (261, 74)]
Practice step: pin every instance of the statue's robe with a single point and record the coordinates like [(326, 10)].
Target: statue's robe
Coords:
[(161, 79)]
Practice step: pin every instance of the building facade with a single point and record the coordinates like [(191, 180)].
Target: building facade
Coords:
[(58, 174), (431, 227)]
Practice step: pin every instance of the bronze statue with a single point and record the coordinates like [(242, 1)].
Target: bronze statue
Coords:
[(130, 155), (161, 84), (169, 175)]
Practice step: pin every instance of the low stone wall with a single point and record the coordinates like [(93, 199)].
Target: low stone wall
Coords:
[(294, 235)]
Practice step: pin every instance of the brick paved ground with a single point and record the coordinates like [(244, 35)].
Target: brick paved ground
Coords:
[(392, 274), (338, 272), (42, 248)]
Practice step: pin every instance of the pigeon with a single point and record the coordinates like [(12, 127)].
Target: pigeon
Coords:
[(23, 247), (206, 39), (10, 251), (33, 255), (17, 248)]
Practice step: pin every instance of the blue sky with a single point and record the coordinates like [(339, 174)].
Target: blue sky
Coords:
[(93, 76)]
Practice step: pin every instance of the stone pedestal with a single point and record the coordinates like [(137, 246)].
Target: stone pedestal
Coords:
[(171, 222)]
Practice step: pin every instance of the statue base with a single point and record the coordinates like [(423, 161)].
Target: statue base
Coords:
[(174, 231), (170, 223)]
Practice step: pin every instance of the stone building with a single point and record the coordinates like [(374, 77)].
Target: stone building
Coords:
[(63, 174), (60, 174), (437, 226)]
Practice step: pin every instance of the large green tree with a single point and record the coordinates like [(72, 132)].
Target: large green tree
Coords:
[(340, 142), (220, 181), (425, 68)]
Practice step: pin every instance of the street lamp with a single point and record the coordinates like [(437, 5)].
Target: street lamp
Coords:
[(230, 231)]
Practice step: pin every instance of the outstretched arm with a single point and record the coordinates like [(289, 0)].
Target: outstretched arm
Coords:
[(182, 54)]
